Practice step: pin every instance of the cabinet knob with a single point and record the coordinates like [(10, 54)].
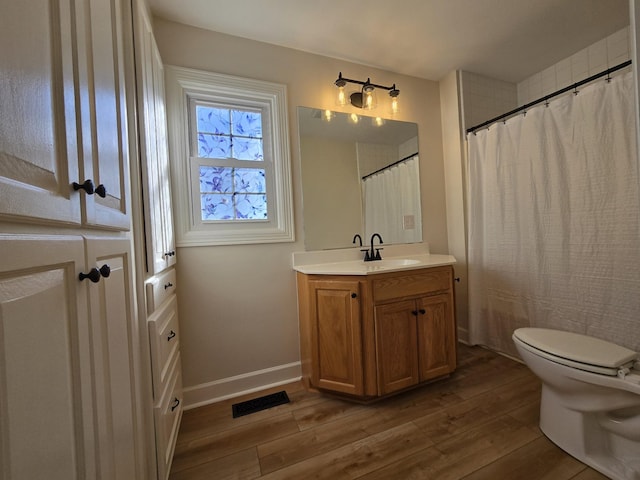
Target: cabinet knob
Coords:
[(170, 254), (101, 191), (93, 275), (176, 402), (171, 335), (422, 311), (414, 312), (87, 186), (354, 295), (168, 285), (89, 189), (457, 279)]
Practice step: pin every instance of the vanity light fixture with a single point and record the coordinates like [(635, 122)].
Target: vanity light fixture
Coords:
[(365, 97)]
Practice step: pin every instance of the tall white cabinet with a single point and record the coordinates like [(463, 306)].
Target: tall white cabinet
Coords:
[(90, 382), (160, 308), (71, 402)]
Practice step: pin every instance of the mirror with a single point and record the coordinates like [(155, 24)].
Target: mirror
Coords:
[(358, 177)]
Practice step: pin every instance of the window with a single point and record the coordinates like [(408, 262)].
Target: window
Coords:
[(230, 162)]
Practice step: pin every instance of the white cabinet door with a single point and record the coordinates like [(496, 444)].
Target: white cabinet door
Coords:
[(63, 113), (101, 89), (46, 399), (116, 358), (69, 361), (38, 137), (154, 147)]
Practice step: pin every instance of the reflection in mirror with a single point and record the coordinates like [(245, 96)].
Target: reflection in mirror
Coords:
[(359, 175)]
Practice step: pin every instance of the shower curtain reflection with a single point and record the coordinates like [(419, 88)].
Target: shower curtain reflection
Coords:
[(554, 237), (396, 217)]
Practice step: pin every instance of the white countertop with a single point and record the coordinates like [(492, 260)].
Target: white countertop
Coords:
[(349, 261)]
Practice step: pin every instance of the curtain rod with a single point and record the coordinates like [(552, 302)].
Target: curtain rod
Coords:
[(390, 165), (551, 95)]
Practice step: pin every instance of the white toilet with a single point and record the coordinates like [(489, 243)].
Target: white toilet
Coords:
[(590, 405)]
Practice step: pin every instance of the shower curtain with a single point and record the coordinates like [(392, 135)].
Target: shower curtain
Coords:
[(390, 196), (554, 238)]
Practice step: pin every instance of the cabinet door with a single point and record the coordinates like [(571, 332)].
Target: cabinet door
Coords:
[(38, 138), (436, 336), (396, 346), (116, 359), (102, 105), (46, 398), (336, 336), (153, 147)]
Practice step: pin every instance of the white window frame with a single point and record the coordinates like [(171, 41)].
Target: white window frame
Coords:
[(185, 84)]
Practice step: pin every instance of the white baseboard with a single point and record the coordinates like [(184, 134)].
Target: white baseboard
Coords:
[(218, 390)]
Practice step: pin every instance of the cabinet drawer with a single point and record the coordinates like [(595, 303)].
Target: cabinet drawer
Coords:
[(165, 339), (406, 285), (159, 288), (167, 415)]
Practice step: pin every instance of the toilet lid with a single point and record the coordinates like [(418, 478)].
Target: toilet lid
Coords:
[(579, 351)]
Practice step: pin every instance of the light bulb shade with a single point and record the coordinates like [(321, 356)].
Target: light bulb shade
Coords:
[(393, 93), (342, 97), (369, 100), (395, 108)]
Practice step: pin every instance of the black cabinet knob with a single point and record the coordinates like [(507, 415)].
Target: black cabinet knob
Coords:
[(176, 402), (93, 275), (171, 335), (87, 186), (422, 311), (457, 279), (414, 312), (105, 270), (170, 254), (89, 189), (101, 191), (354, 295), (168, 285)]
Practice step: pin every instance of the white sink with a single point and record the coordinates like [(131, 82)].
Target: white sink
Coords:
[(387, 263), (393, 262)]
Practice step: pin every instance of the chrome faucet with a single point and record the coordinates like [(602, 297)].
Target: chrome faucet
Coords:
[(357, 235), (374, 254)]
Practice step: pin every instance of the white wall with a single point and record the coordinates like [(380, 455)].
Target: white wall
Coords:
[(606, 53), (238, 310)]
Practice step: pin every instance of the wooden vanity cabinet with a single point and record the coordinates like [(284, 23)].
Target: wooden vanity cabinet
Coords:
[(370, 336)]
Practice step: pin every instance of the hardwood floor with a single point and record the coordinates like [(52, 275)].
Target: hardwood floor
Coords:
[(481, 423)]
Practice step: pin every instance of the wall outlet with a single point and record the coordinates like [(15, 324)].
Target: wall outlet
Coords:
[(408, 222)]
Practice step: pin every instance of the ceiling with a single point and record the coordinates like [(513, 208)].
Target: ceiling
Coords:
[(503, 39)]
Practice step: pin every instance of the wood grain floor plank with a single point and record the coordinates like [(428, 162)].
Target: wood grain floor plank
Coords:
[(358, 458), (537, 460), (480, 423), (215, 446), (461, 454), (242, 465)]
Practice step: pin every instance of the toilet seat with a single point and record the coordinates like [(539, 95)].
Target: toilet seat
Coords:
[(576, 350)]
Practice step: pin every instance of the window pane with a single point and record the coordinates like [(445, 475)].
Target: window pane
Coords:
[(247, 124), (216, 179), (217, 207), (214, 146), (247, 149), (250, 180), (213, 120), (251, 206)]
